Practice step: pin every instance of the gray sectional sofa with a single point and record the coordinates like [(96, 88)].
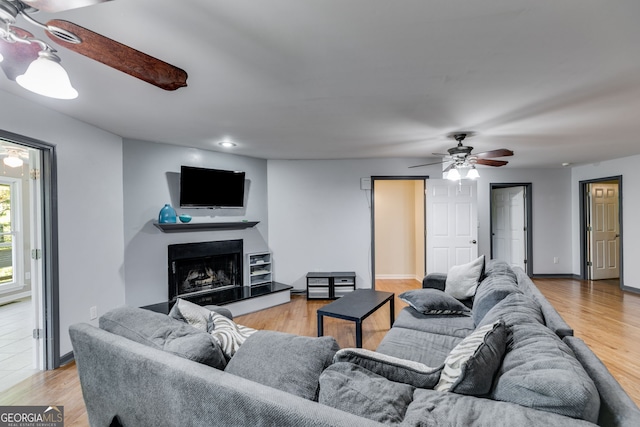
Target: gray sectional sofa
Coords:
[(141, 368)]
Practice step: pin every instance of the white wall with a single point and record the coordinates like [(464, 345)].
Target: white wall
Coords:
[(89, 207), (320, 219), (628, 169), (551, 218), (151, 179)]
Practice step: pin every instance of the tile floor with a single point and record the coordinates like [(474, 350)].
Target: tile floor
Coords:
[(16, 354)]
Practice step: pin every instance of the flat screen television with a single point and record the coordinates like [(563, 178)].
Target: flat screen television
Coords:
[(211, 188)]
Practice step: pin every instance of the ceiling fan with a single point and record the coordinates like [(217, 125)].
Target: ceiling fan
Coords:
[(19, 49), (460, 157)]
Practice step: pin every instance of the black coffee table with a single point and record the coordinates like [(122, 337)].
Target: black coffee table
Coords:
[(356, 306)]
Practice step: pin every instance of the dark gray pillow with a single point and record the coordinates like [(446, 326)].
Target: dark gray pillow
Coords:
[(354, 389), (287, 362), (472, 364), (392, 368), (433, 301), (164, 333)]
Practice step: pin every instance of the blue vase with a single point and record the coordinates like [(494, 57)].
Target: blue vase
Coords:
[(167, 215)]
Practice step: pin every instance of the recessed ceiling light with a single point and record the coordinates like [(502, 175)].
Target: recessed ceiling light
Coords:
[(227, 143)]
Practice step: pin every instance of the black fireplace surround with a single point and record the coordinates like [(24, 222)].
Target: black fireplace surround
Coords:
[(198, 269)]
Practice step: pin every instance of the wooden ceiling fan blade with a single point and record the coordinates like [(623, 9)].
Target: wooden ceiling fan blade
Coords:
[(501, 152), (488, 162), (121, 57), (54, 6), (17, 56)]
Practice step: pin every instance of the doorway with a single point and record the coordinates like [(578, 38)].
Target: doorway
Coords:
[(398, 238), (510, 228), (28, 267), (601, 225)]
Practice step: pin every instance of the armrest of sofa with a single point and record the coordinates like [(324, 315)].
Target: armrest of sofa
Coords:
[(435, 281)]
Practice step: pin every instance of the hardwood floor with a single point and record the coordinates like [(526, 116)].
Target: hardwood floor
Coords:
[(606, 318)]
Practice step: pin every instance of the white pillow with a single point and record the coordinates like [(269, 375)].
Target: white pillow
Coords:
[(462, 280)]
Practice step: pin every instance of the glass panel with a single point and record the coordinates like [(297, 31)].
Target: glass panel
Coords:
[(6, 239)]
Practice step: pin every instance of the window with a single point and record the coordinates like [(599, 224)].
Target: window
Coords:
[(9, 234)]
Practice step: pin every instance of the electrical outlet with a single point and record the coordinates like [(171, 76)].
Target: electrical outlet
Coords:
[(93, 313), (555, 260)]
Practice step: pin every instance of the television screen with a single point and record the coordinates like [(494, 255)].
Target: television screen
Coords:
[(211, 188)]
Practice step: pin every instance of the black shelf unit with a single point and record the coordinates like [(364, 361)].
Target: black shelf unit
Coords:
[(330, 285), (179, 227)]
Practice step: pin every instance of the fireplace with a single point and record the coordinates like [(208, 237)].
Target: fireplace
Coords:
[(204, 267)]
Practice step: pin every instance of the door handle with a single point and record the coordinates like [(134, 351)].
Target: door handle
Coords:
[(473, 241)]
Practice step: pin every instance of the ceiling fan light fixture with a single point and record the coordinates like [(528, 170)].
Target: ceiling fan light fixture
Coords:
[(453, 175), (13, 161), (45, 76), (473, 173)]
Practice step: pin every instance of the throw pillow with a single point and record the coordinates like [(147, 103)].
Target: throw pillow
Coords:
[(462, 280), (472, 364), (353, 389), (287, 362), (193, 314), (433, 301), (160, 331), (229, 334), (392, 368)]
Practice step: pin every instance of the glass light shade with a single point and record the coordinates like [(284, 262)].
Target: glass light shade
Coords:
[(473, 173), (13, 162), (45, 76), (453, 175)]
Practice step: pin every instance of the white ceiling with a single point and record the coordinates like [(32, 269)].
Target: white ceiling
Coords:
[(555, 81)]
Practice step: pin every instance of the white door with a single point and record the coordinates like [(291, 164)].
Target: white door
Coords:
[(508, 225), (452, 224), (604, 241)]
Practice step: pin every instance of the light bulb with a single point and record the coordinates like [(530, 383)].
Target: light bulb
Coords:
[(453, 175)]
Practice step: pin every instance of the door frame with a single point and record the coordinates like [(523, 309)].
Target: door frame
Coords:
[(373, 217), (528, 212), (50, 282), (584, 249)]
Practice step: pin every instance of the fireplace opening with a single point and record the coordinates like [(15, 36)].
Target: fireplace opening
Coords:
[(204, 267)]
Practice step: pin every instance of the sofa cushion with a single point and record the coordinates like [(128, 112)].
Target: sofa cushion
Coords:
[(392, 368), (514, 309), (472, 364), (541, 372), (351, 388), (428, 348), (492, 290), (462, 280), (443, 324), (433, 408), (287, 362), (193, 314), (164, 333), (433, 301)]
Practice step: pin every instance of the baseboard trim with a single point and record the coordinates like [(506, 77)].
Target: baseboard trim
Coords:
[(630, 289), (395, 276), (556, 276), (66, 358), (14, 297)]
